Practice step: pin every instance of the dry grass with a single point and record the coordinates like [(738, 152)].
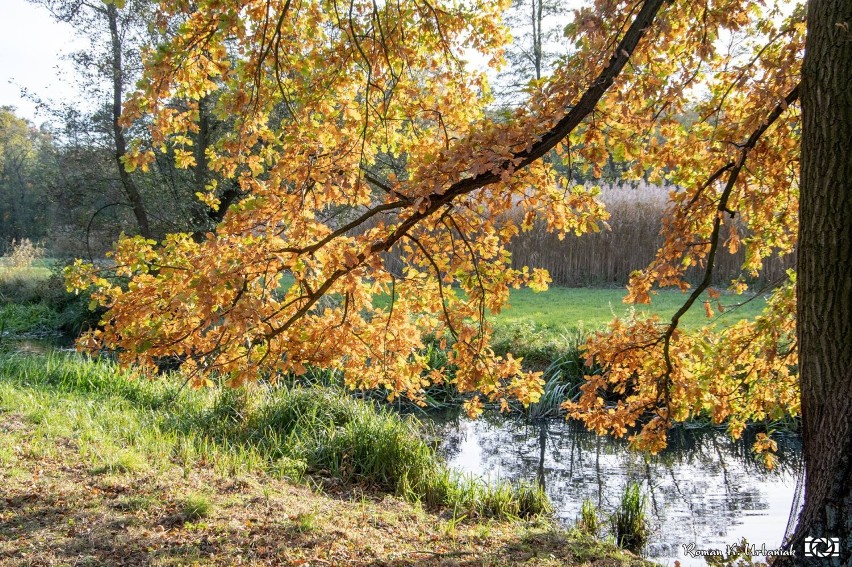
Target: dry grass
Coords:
[(607, 258), (64, 516)]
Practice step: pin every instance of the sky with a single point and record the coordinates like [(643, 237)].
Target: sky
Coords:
[(32, 45), (31, 49)]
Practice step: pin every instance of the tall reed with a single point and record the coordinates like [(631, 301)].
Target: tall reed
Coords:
[(608, 257)]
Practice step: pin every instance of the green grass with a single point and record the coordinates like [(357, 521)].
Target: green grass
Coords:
[(34, 301), (34, 319), (548, 330), (41, 270), (195, 506), (562, 308), (119, 425), (589, 522), (630, 521)]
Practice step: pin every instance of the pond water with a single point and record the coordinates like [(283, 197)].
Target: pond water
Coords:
[(704, 489)]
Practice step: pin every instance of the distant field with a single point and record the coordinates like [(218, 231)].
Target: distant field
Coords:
[(33, 272), (590, 308), (559, 308), (555, 309)]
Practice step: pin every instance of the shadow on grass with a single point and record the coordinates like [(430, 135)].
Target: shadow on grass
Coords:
[(44, 527)]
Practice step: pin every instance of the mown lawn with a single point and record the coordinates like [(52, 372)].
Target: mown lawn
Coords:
[(592, 308)]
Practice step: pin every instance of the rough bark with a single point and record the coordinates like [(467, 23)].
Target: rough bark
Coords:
[(130, 189), (824, 282)]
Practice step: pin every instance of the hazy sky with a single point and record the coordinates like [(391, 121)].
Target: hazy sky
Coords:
[(31, 48)]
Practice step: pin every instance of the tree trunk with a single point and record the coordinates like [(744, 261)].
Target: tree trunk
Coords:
[(130, 188), (537, 16), (824, 316)]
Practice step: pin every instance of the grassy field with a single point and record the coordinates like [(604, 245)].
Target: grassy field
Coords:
[(592, 308), (559, 308), (100, 470), (548, 329)]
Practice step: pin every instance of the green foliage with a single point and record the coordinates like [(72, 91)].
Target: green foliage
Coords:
[(630, 521), (26, 167), (565, 364)]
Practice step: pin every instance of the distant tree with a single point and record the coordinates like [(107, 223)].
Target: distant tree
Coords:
[(27, 164), (97, 189), (537, 29), (105, 72)]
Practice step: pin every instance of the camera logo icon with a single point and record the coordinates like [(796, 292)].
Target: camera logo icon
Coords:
[(822, 547)]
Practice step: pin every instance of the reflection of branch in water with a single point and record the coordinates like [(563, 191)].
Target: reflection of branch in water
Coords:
[(652, 488), (542, 446), (573, 445), (677, 479), (598, 470), (723, 465), (685, 500)]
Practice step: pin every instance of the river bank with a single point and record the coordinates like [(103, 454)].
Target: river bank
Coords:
[(95, 469)]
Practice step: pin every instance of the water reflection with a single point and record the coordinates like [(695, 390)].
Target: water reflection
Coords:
[(705, 488)]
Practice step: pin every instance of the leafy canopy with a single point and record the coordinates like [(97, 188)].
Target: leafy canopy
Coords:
[(358, 131)]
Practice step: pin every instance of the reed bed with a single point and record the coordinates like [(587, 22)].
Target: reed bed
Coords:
[(608, 257)]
